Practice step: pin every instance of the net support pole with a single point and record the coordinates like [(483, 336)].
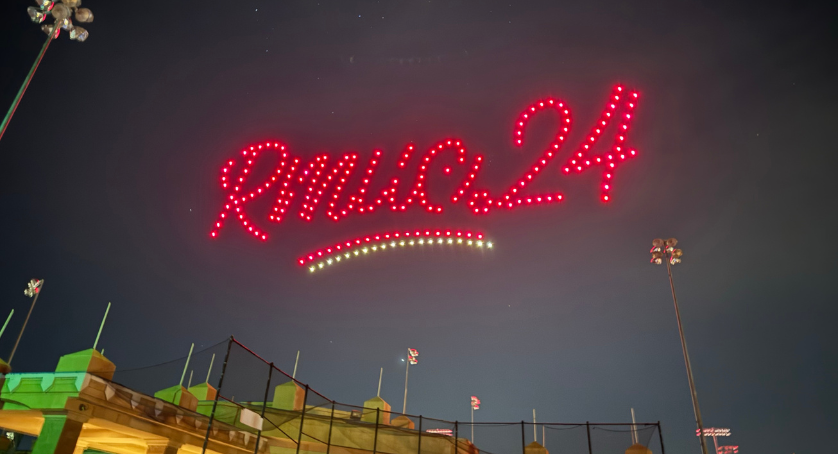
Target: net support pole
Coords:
[(331, 420), (264, 405), (456, 437), (523, 439), (217, 393), (660, 435), (302, 420), (419, 443), (375, 434), (590, 448)]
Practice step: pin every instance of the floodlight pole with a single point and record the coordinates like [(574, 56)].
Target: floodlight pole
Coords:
[(23, 87), (693, 393)]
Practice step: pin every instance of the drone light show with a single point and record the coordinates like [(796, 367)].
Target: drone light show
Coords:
[(323, 179), (342, 252)]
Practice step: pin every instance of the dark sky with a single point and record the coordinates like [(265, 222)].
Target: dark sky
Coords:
[(109, 189)]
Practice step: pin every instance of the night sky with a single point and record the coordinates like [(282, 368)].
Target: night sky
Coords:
[(109, 187)]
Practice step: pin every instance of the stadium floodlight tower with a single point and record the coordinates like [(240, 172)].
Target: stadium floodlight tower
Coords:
[(61, 12), (665, 251)]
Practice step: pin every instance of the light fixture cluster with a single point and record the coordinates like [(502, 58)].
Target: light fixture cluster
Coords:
[(62, 12), (323, 178), (582, 159), (665, 250), (391, 240)]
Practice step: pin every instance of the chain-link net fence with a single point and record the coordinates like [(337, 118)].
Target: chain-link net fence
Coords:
[(241, 403)]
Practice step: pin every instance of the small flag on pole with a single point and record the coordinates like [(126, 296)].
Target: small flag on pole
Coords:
[(475, 403)]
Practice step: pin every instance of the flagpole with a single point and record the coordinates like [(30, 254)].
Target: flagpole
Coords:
[(472, 423), (633, 427), (35, 288), (406, 371)]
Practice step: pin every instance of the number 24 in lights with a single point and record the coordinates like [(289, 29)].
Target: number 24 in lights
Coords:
[(324, 178)]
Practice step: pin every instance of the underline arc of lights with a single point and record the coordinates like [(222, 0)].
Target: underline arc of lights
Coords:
[(381, 242)]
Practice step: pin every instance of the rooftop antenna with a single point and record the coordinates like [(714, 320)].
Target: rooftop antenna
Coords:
[(190, 378), (210, 368), (294, 375), (380, 374), (101, 326), (534, 427), (7, 322), (186, 366), (633, 428)]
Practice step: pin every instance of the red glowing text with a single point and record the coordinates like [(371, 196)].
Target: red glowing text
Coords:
[(323, 180)]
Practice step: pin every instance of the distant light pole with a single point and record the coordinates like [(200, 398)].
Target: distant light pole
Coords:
[(60, 10), (412, 354), (475, 405), (33, 289), (664, 251)]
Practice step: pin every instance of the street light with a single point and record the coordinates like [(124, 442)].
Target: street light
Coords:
[(61, 12), (665, 251), (33, 289)]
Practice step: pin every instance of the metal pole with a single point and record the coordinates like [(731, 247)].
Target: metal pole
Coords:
[(96, 342), (331, 419), (472, 424), (3, 329), (633, 428), (186, 366), (716, 444), (590, 448), (264, 405), (302, 420), (20, 92), (523, 440), (660, 435), (406, 371), (693, 393), (34, 300), (380, 375), (534, 427), (209, 371), (375, 434), (294, 375), (419, 443), (217, 393)]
